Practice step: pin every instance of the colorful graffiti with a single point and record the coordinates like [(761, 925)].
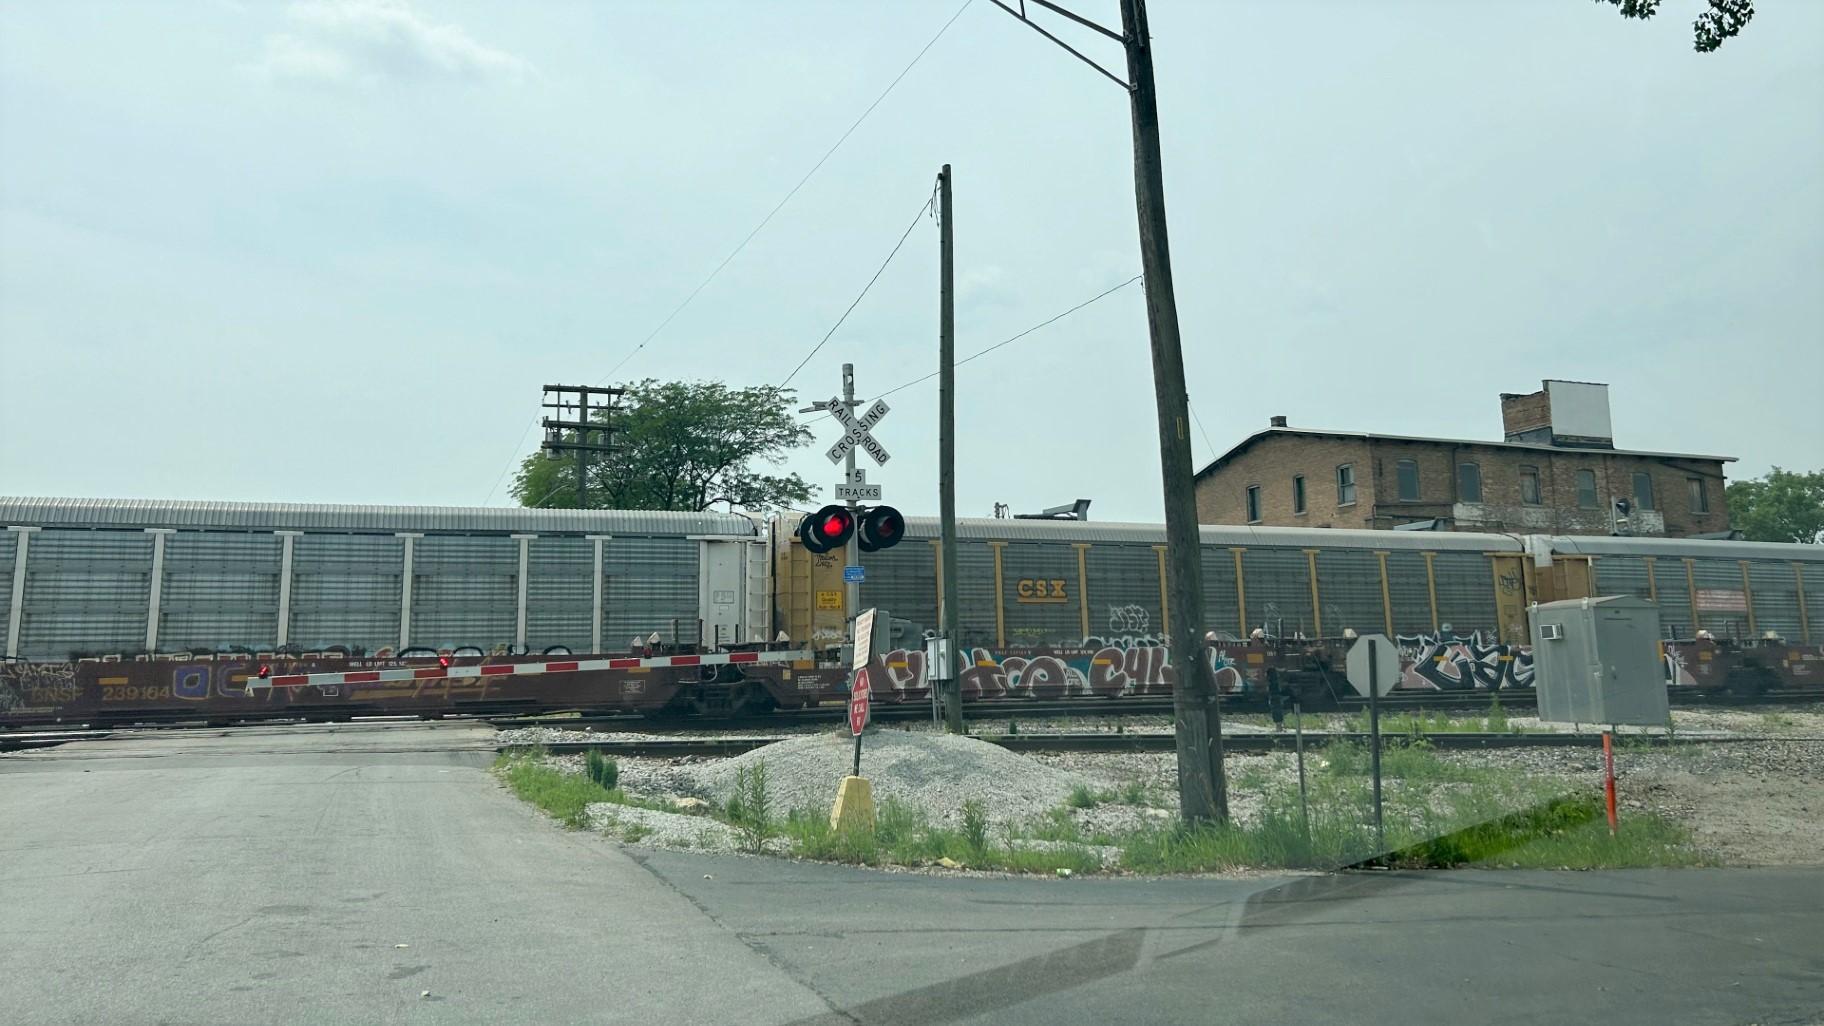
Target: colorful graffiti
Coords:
[(1113, 667), (1456, 662)]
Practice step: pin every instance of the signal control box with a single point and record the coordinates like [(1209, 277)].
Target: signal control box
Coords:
[(1599, 660)]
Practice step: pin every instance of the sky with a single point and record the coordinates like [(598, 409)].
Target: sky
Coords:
[(331, 251)]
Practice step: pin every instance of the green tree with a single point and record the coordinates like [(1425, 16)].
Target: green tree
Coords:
[(1781, 507), (1722, 20), (680, 445)]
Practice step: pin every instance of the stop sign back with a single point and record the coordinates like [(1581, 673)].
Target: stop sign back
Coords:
[(859, 697)]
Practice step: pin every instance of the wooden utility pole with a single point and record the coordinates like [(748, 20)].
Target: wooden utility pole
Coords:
[(1202, 791), (946, 451), (582, 429)]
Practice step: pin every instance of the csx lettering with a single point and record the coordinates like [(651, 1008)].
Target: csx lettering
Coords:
[(1040, 590)]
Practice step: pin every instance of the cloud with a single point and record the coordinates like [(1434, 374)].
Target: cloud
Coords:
[(353, 40)]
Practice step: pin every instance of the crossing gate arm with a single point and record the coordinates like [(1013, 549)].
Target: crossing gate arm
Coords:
[(415, 673)]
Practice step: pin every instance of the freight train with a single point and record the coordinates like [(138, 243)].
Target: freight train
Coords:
[(138, 610)]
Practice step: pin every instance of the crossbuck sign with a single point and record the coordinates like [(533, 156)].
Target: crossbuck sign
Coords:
[(855, 432)]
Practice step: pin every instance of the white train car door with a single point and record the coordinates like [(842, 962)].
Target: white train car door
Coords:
[(722, 590)]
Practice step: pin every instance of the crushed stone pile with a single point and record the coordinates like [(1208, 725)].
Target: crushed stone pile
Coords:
[(936, 772)]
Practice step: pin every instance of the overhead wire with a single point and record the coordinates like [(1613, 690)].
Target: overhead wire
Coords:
[(749, 237), (916, 218), (794, 191), (1098, 297)]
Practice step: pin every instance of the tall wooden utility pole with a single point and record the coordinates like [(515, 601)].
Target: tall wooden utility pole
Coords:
[(1202, 791), (582, 429), (946, 450)]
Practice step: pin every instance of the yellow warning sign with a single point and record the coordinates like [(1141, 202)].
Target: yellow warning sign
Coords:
[(829, 599)]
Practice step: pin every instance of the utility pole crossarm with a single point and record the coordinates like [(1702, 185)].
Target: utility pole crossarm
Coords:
[(1074, 52)]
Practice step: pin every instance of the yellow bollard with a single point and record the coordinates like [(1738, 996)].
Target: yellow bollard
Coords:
[(854, 807)]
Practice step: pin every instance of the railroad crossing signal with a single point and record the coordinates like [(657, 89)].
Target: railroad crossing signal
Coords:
[(881, 527), (826, 530), (856, 431)]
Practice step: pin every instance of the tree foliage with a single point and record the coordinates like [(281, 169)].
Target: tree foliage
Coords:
[(1781, 507), (1723, 19), (680, 445)]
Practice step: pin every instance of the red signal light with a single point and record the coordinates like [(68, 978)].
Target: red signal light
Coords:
[(265, 671), (443, 661), (827, 529)]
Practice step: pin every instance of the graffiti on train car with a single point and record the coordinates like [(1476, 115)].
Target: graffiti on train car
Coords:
[(36, 687), (1457, 662), (1102, 667)]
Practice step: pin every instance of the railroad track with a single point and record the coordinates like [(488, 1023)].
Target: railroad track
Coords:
[(1512, 703), (1125, 742)]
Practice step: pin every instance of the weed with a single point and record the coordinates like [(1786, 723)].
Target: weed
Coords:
[(1497, 717), (566, 796), (1081, 797), (633, 833), (601, 769), (1134, 793), (750, 807), (975, 827), (812, 837)]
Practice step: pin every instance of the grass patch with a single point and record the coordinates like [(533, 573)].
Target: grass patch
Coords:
[(1081, 797), (565, 796), (1566, 833)]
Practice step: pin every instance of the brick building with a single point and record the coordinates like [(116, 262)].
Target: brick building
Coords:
[(1557, 471)]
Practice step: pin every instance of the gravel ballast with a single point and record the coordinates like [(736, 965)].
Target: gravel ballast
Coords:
[(936, 772)]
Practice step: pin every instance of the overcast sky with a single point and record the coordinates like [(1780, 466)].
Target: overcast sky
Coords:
[(331, 251)]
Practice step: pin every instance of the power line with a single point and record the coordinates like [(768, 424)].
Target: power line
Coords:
[(1005, 342), (511, 460), (1098, 297), (788, 196), (1199, 422), (750, 235), (925, 207)]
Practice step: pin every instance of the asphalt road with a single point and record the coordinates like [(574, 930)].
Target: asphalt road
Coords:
[(273, 875)]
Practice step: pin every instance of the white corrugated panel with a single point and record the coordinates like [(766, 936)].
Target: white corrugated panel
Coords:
[(86, 593), (221, 591), (346, 590), (465, 591)]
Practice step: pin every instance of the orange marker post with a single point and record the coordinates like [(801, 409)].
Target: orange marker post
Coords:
[(1608, 782)]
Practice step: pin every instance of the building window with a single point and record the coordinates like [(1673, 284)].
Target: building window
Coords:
[(1298, 494), (1643, 491), (1469, 482), (1700, 499), (1345, 485), (1586, 489), (1409, 480), (1529, 485), (1253, 504)]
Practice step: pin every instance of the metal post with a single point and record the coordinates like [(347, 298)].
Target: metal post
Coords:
[(407, 572), (857, 772), (1608, 779), (285, 546), (156, 593), (950, 613), (851, 552), (1298, 732), (1203, 792), (15, 612), (519, 615), (1374, 742)]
